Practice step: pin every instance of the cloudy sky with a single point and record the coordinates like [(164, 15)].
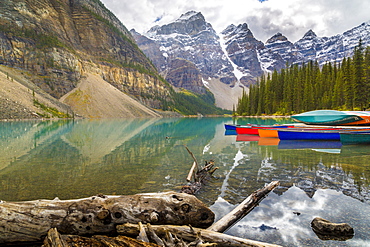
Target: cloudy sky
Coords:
[(293, 18)]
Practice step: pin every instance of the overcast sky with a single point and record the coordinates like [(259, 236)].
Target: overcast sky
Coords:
[(292, 18)]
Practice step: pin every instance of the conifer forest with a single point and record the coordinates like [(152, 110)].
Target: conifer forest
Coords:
[(305, 87)]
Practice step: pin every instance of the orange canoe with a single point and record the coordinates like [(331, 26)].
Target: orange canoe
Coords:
[(268, 132)]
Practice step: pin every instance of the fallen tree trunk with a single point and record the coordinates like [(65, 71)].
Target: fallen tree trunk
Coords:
[(243, 208), (170, 235), (31, 220), (191, 234)]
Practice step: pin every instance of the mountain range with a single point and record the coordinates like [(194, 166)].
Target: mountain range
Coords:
[(75, 58), (190, 54)]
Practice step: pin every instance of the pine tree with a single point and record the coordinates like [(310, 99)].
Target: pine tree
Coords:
[(348, 85), (268, 97), (360, 87), (261, 92), (367, 73), (338, 93)]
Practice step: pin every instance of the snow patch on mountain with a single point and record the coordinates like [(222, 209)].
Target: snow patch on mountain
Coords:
[(237, 72), (234, 56)]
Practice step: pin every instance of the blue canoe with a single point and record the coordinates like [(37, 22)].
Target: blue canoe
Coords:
[(326, 134), (305, 134), (333, 117), (355, 138), (231, 126)]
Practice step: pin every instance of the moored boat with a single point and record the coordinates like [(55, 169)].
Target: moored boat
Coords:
[(231, 126), (253, 129), (268, 133), (333, 117), (305, 134), (317, 134), (230, 132), (274, 132), (355, 138)]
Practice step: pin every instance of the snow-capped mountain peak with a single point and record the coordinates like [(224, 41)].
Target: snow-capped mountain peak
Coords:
[(190, 16), (189, 51), (193, 39), (309, 35), (279, 37)]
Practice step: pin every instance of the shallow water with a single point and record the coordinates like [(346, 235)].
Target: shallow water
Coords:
[(74, 159)]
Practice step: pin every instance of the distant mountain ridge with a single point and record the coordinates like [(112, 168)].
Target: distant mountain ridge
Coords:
[(48, 47), (235, 55), (189, 38)]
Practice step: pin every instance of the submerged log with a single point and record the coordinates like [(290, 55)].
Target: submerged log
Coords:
[(243, 208), (191, 234), (31, 220)]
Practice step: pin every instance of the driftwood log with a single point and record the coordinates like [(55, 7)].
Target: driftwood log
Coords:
[(191, 234), (198, 177), (207, 237), (31, 220), (55, 239), (243, 208)]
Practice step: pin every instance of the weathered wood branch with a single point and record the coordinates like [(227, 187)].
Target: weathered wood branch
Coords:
[(192, 155), (200, 177), (55, 239), (243, 208), (31, 220), (191, 234), (191, 172)]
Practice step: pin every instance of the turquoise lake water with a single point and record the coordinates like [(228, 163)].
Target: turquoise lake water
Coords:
[(80, 158)]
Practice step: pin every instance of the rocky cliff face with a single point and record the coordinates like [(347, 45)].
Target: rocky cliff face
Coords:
[(188, 38), (279, 51), (235, 52), (242, 48), (58, 41), (184, 74)]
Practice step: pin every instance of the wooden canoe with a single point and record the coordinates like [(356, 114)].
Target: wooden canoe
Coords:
[(354, 138)]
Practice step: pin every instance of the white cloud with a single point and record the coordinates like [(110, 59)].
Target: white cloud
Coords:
[(293, 18)]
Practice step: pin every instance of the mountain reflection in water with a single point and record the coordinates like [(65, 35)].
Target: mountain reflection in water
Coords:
[(73, 159)]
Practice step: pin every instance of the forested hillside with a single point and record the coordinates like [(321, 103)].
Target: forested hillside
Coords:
[(51, 47), (307, 86)]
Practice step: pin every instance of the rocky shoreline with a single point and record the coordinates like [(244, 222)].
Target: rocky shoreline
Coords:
[(10, 110)]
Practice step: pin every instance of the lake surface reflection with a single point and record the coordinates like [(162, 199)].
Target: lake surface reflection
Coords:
[(79, 158)]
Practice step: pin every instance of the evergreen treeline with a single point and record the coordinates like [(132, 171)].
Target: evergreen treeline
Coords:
[(190, 103), (306, 87)]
